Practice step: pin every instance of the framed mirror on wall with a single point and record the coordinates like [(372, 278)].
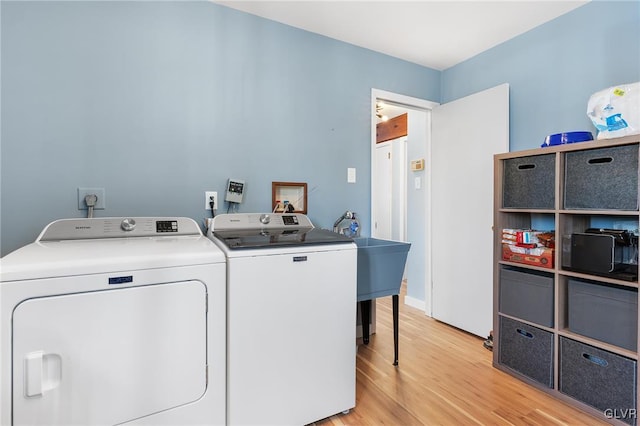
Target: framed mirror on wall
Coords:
[(289, 197)]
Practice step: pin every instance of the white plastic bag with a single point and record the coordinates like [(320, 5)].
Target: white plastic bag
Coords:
[(616, 111)]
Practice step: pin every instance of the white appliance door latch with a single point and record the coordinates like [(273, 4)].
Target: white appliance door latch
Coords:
[(42, 373)]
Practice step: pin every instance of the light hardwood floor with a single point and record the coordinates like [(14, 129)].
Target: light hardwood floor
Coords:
[(444, 377)]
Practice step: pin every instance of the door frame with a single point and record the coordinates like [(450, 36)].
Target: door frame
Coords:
[(413, 104)]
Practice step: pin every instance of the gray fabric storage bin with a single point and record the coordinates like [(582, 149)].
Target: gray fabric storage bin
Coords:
[(527, 350), (598, 378), (602, 179), (529, 182), (527, 295), (604, 312)]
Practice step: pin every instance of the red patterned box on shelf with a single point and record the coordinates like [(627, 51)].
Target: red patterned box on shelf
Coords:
[(540, 256)]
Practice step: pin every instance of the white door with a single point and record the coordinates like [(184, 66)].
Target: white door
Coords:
[(383, 202), (399, 182), (389, 190), (466, 134), (108, 357)]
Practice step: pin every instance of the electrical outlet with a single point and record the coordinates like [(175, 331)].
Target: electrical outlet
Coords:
[(101, 204), (207, 200)]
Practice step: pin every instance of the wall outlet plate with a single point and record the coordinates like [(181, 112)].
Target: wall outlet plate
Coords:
[(101, 204), (208, 194)]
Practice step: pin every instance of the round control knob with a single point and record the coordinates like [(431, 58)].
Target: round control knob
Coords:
[(265, 219), (128, 225)]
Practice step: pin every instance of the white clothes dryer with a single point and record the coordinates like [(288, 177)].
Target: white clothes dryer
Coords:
[(114, 321)]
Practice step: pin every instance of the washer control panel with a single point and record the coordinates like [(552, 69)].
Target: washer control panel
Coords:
[(290, 220), (225, 222)]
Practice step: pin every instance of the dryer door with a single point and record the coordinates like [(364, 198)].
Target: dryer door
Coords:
[(107, 357)]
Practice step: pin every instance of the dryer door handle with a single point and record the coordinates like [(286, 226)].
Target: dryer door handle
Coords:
[(42, 372)]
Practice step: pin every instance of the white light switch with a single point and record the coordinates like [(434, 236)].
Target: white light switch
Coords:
[(417, 182), (351, 175)]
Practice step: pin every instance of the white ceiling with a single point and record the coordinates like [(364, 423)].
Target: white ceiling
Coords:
[(436, 34)]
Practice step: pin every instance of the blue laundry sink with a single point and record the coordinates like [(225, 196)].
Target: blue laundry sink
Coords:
[(380, 267)]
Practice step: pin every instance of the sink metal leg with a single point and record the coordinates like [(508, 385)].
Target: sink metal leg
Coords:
[(395, 301), (365, 314)]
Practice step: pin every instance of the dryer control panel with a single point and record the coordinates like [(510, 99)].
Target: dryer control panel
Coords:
[(118, 227)]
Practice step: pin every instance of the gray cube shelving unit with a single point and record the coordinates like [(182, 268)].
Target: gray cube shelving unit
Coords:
[(549, 322)]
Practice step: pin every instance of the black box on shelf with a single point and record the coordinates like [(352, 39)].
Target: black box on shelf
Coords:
[(596, 253), (527, 350), (529, 182), (527, 295), (599, 378), (602, 179), (604, 312)]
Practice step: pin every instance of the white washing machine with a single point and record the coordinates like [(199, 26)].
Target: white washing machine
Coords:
[(291, 319), (108, 321)]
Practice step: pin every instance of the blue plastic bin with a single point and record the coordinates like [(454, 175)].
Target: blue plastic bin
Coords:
[(380, 267)]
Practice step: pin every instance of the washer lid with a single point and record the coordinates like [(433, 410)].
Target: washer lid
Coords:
[(271, 238)]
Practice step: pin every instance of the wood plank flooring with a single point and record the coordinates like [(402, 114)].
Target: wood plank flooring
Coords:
[(444, 377)]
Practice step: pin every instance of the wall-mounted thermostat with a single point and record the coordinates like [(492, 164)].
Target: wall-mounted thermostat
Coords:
[(417, 165), (235, 191)]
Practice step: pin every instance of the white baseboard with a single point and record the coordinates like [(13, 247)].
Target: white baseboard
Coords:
[(415, 303)]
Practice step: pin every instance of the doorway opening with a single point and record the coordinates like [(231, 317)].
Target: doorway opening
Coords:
[(399, 196)]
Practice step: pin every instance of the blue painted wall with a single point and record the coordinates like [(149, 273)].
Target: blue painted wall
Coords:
[(159, 101), (553, 69)]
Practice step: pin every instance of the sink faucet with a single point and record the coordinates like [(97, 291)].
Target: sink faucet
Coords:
[(345, 215), (353, 230)]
